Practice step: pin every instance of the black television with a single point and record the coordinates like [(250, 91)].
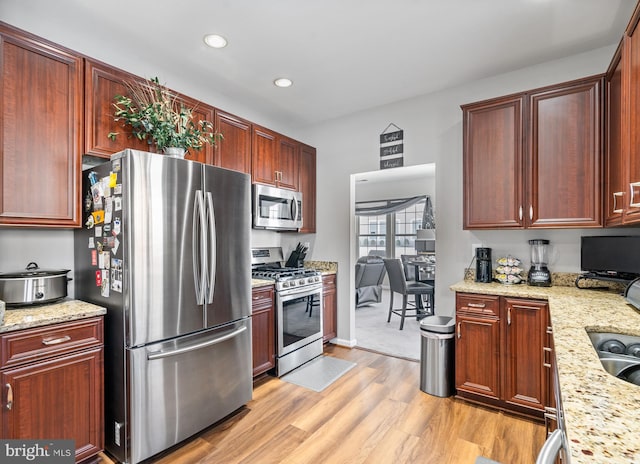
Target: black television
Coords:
[(613, 256)]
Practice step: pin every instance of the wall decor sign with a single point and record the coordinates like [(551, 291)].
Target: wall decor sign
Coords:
[(391, 147)]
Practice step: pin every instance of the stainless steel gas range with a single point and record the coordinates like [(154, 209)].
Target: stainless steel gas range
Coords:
[(298, 308)]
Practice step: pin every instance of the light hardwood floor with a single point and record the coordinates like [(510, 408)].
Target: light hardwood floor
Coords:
[(374, 414)]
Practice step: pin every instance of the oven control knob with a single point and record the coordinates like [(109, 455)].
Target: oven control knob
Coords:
[(301, 282), (285, 284)]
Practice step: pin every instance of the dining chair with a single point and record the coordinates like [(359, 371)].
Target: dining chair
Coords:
[(399, 284), (409, 269)]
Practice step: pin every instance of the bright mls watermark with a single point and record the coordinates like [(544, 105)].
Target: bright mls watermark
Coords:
[(37, 451)]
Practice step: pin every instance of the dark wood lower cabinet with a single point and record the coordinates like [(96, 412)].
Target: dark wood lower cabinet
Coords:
[(478, 355), (501, 352), (52, 385), (263, 326), (330, 307), (526, 376)]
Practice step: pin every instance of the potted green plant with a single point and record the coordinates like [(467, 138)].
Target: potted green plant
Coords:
[(155, 114)]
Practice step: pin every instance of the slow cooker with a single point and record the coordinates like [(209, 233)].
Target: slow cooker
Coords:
[(33, 286)]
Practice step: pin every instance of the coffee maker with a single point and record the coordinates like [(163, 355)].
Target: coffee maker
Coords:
[(483, 265), (539, 274)]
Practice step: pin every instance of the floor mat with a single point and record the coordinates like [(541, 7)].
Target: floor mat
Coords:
[(319, 373)]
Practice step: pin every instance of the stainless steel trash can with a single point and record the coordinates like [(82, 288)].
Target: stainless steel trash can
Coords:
[(437, 355)]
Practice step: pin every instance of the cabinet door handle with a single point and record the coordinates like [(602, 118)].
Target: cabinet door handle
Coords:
[(633, 186), (56, 341), (458, 330), (550, 414), (477, 305), (509, 316), (520, 212), (615, 202), (9, 396), (531, 212), (546, 350)]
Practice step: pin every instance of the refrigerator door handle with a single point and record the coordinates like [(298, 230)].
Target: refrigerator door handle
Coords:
[(212, 248), (165, 354), (199, 266)]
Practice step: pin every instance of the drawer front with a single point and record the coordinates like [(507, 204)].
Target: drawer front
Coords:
[(479, 305), (329, 281), (262, 298), (41, 343)]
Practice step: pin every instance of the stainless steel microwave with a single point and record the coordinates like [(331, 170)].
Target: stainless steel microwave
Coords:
[(276, 209)]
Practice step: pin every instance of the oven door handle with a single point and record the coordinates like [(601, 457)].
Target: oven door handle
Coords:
[(299, 291)]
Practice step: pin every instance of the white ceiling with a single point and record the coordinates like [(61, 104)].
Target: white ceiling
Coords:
[(344, 56)]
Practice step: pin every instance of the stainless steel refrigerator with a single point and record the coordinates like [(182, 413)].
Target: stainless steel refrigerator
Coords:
[(165, 248)]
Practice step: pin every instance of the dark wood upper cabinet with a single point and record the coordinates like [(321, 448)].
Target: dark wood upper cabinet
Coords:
[(631, 115), (565, 155), (534, 160), (234, 150), (493, 163), (274, 159), (263, 155), (41, 127), (287, 164), (615, 144), (101, 85), (307, 183)]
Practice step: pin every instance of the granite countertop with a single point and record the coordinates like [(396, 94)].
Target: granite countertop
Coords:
[(261, 282), (601, 411), (39, 315), (325, 267)]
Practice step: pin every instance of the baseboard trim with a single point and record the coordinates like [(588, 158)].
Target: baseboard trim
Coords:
[(343, 342)]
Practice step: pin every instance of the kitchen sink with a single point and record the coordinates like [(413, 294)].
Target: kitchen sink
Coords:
[(619, 354)]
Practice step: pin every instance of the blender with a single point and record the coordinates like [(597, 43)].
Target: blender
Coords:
[(539, 274)]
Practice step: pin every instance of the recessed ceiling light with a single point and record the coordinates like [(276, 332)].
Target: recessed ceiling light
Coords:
[(283, 82), (215, 41)]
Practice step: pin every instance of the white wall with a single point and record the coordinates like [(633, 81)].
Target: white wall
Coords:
[(371, 191), (432, 127)]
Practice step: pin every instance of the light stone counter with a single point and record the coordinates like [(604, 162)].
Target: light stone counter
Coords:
[(602, 413), (325, 267), (261, 282), (35, 316)]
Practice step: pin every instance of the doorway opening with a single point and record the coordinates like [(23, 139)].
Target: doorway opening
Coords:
[(392, 215)]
